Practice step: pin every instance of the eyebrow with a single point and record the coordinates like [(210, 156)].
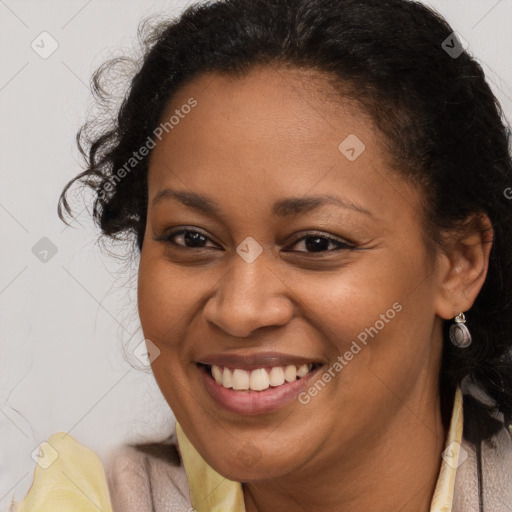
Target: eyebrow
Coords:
[(281, 208)]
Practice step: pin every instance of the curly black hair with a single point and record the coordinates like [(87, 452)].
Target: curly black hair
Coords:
[(405, 67)]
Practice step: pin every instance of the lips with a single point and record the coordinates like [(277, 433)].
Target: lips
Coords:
[(249, 402), (258, 360), (249, 388)]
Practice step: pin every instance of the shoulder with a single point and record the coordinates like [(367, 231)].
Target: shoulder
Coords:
[(147, 477), (67, 476), (484, 471)]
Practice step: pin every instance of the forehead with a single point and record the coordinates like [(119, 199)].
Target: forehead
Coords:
[(271, 133)]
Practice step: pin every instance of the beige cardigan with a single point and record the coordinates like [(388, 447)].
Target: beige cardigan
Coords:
[(157, 482)]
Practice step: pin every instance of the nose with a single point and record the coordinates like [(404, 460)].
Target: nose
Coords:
[(248, 297)]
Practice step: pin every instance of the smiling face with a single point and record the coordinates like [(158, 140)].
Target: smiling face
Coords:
[(265, 268)]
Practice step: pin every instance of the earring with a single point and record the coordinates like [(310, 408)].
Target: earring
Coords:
[(459, 333)]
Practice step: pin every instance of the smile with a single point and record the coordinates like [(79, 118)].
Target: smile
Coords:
[(259, 379), (257, 391)]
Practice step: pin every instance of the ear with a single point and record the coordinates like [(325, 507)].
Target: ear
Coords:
[(462, 265)]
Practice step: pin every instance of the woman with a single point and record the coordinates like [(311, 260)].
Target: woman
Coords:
[(318, 193)]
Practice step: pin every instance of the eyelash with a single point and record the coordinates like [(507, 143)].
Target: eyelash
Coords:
[(168, 239)]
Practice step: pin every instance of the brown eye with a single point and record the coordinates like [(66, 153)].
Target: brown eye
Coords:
[(320, 243), (192, 239)]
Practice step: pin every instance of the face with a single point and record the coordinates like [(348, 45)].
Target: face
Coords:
[(264, 274)]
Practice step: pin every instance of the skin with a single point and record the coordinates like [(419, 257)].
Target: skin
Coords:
[(250, 141)]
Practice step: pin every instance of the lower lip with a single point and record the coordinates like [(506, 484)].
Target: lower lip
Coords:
[(255, 402)]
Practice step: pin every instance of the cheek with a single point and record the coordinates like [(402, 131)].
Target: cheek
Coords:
[(164, 297), (374, 314), (342, 304), (163, 304)]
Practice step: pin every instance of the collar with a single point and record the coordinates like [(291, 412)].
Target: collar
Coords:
[(211, 492), (451, 459)]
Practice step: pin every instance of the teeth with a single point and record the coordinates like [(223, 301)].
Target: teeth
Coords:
[(227, 378), (259, 379), (276, 376), (302, 370), (290, 373), (240, 379), (217, 374)]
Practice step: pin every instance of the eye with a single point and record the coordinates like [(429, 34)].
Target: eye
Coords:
[(189, 236), (315, 242)]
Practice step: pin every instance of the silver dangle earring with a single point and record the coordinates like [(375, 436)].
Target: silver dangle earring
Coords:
[(459, 333)]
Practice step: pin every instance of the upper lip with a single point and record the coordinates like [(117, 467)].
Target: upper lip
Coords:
[(256, 360)]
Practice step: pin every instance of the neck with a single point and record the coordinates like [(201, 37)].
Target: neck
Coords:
[(399, 471)]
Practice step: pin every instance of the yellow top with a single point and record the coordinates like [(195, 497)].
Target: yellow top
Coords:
[(211, 492), (70, 478)]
